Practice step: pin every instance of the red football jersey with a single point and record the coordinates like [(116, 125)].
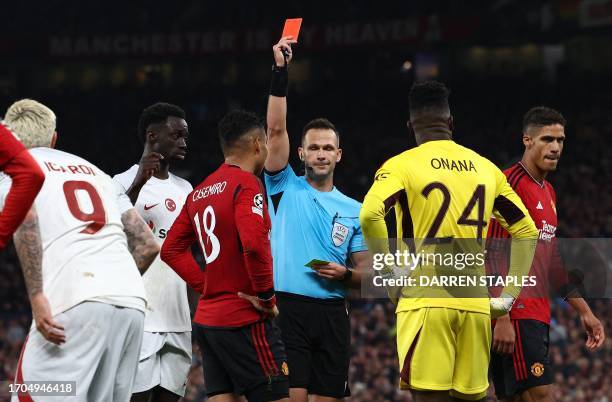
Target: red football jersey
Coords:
[(540, 200), (27, 179), (228, 217), (9, 146)]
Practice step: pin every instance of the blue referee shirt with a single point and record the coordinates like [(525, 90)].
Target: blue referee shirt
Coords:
[(309, 224)]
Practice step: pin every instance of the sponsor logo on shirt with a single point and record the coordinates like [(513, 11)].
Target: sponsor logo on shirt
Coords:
[(547, 233), (162, 233)]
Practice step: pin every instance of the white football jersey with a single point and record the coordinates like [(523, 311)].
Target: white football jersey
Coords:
[(159, 203), (85, 251)]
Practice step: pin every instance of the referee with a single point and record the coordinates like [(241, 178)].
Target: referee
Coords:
[(311, 219)]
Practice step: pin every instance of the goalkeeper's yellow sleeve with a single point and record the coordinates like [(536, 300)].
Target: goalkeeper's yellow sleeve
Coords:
[(378, 201), (512, 214)]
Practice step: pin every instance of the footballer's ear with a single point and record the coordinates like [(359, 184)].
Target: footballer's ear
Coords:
[(257, 143), (527, 140), (53, 140), (301, 153), (410, 128), (339, 155), (151, 136), (451, 123)]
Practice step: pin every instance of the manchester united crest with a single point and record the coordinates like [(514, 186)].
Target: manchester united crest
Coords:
[(537, 369)]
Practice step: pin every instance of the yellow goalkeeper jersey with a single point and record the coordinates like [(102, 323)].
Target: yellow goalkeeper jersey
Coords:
[(441, 192)]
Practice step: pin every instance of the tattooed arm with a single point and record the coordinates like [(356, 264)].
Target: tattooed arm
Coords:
[(141, 241), (29, 250)]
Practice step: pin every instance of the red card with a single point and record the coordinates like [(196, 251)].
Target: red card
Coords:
[(292, 28)]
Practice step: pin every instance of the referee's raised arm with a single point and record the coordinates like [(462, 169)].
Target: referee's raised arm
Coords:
[(278, 139)]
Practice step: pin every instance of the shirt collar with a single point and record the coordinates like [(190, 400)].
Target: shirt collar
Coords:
[(541, 184)]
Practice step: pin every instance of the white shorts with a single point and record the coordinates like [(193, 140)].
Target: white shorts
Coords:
[(165, 359), (100, 353)]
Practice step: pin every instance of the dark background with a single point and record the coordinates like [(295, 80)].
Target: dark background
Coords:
[(97, 64)]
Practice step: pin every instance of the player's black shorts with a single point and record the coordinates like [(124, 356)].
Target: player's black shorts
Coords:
[(249, 361), (529, 365), (317, 337)]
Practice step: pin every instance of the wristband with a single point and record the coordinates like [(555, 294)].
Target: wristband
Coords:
[(570, 291), (280, 81), (347, 275), (268, 303)]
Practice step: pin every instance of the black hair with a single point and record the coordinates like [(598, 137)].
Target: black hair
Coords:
[(430, 97), (540, 116), (320, 123), (155, 114), (236, 124)]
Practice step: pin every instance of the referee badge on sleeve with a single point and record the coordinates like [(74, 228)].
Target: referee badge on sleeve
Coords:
[(339, 234)]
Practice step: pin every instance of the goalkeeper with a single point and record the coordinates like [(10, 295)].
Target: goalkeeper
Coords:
[(443, 195)]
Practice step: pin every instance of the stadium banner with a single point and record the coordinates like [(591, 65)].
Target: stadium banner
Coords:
[(420, 30), (470, 268)]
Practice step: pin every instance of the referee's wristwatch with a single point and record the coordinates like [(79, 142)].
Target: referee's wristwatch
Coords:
[(347, 275)]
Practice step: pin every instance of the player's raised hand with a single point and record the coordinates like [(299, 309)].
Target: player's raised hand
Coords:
[(594, 330), (46, 325), (282, 51), (504, 335), (148, 166), (272, 312)]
